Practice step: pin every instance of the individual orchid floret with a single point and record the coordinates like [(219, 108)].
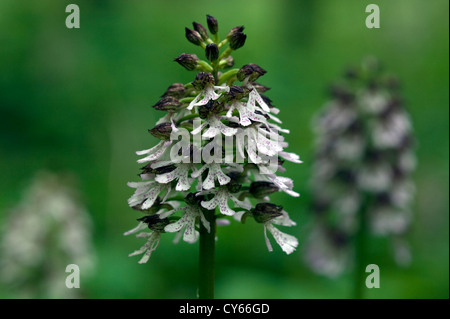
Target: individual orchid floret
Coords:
[(156, 225), (221, 197), (291, 157), (258, 144), (155, 152), (246, 114), (214, 172), (254, 98), (284, 184), (146, 193), (213, 122), (191, 213), (250, 73), (178, 172), (204, 82), (269, 214)]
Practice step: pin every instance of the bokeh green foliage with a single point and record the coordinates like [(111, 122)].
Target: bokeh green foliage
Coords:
[(79, 100)]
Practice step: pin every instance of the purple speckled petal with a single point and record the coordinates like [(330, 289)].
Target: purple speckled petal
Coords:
[(167, 177), (287, 242), (208, 183), (223, 202), (240, 203), (292, 157), (151, 196), (151, 150), (199, 129), (255, 95), (157, 154), (190, 234), (211, 204), (178, 225), (194, 101)]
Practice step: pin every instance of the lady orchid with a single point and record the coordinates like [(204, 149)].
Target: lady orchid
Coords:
[(362, 174), (227, 161)]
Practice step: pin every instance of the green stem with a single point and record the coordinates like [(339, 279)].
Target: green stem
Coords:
[(225, 53), (222, 43), (215, 72), (186, 99), (204, 66), (206, 257), (361, 250), (216, 38), (227, 75), (187, 117)]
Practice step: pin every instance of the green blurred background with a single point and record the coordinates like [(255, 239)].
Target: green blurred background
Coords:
[(79, 100)]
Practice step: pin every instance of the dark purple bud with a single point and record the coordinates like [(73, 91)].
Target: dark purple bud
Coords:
[(212, 107), (233, 186), (251, 71), (236, 92), (152, 210), (193, 199), (261, 189), (162, 131), (202, 79), (154, 222), (237, 40), (176, 90), (193, 36), (201, 30), (168, 103), (213, 25), (212, 52), (159, 170), (235, 30), (264, 212), (205, 110), (189, 61)]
